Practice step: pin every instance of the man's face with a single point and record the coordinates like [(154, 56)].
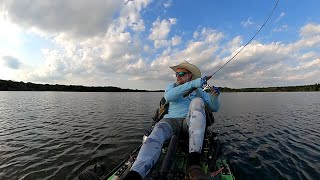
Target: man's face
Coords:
[(183, 76)]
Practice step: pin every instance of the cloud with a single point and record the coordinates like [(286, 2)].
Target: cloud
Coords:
[(10, 33), (11, 62), (116, 50), (160, 31), (120, 53), (310, 30), (308, 65), (74, 17), (308, 55), (274, 64), (167, 4), (309, 37), (200, 50), (130, 16), (122, 49), (257, 65), (281, 29), (280, 17), (234, 44), (176, 40), (247, 23)]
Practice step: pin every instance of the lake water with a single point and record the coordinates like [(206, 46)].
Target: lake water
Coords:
[(57, 135)]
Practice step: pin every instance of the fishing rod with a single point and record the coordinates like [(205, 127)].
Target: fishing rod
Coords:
[(265, 22)]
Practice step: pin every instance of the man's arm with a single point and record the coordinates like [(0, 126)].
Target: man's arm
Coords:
[(172, 92)]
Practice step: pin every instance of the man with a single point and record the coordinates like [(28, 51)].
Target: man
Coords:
[(186, 113)]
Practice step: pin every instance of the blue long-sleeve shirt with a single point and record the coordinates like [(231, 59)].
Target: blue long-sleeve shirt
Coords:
[(179, 105)]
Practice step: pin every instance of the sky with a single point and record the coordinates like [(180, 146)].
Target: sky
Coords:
[(132, 43)]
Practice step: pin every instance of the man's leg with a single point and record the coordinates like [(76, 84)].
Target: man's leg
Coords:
[(196, 121), (151, 148)]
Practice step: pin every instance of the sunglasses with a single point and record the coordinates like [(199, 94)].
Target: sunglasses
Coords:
[(181, 74)]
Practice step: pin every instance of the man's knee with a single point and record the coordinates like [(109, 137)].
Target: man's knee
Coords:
[(161, 131), (197, 103)]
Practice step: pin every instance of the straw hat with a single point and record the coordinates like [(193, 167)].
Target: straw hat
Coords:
[(190, 67)]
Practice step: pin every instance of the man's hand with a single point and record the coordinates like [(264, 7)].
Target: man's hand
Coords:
[(204, 80), (215, 90)]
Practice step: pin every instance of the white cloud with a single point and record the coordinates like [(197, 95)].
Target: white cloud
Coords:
[(280, 17), (310, 64), (135, 67), (160, 31), (167, 4), (176, 40), (10, 33), (234, 45), (247, 23), (310, 30), (281, 29), (304, 76), (130, 16), (306, 42), (308, 55)]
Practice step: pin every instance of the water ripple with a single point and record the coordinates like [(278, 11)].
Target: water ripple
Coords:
[(57, 135)]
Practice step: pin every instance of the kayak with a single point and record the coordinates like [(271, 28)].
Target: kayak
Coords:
[(173, 160)]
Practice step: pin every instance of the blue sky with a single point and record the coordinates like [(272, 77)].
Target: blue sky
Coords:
[(131, 44)]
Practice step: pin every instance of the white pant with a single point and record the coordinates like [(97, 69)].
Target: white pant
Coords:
[(164, 129)]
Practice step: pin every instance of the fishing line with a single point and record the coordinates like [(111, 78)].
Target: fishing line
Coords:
[(275, 6)]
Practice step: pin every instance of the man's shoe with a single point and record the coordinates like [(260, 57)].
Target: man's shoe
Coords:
[(194, 172), (132, 175)]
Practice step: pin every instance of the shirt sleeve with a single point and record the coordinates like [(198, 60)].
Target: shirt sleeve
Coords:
[(173, 92), (211, 100)]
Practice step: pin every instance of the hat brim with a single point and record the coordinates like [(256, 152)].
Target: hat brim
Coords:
[(196, 73)]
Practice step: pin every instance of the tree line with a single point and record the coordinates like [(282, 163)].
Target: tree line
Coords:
[(314, 87), (21, 86)]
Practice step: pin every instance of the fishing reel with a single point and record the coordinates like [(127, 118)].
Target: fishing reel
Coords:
[(206, 88)]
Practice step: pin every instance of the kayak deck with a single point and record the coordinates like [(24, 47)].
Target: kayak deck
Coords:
[(173, 161)]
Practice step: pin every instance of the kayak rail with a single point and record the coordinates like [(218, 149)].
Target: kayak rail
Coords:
[(120, 164)]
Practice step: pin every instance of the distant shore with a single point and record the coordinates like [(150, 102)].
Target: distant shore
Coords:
[(8, 85), (302, 88), (21, 86)]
